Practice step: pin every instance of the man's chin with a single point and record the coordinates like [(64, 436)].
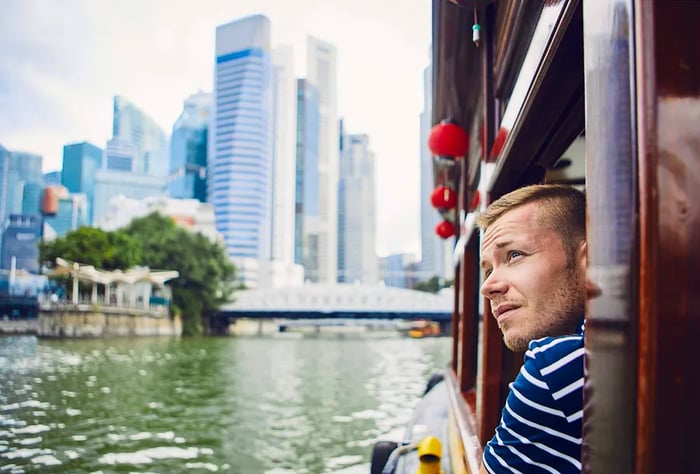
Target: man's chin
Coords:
[(516, 343)]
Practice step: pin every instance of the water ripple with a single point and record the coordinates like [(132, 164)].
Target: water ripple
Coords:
[(253, 405)]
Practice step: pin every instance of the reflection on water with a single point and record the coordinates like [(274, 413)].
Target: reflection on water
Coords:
[(244, 405)]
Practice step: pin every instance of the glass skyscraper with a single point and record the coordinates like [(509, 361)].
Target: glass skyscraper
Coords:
[(80, 164), (21, 182), (239, 178), (306, 189), (283, 155), (321, 72), (132, 125), (357, 256), (188, 149)]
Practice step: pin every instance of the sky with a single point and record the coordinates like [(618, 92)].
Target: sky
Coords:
[(62, 61)]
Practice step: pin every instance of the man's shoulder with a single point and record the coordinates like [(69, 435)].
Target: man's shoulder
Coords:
[(548, 350)]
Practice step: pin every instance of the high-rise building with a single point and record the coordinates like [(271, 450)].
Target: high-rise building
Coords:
[(113, 183), (80, 164), (306, 181), (20, 242), (397, 270), (71, 211), (434, 251), (321, 72), (188, 149), (357, 256), (52, 178), (132, 125), (21, 181), (239, 170), (284, 152)]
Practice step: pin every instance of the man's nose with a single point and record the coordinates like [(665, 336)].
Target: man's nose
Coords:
[(494, 285)]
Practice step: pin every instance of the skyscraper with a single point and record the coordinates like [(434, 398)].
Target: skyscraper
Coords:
[(132, 125), (239, 184), (21, 181), (321, 72), (19, 242), (80, 164), (306, 189), (357, 257), (434, 251), (188, 149), (284, 153), (71, 211)]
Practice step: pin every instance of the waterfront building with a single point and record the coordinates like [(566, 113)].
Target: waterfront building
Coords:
[(284, 155), (398, 270), (80, 164), (190, 214), (306, 188), (435, 252), (357, 256), (20, 241), (113, 183), (130, 124), (240, 167), (322, 73), (188, 149)]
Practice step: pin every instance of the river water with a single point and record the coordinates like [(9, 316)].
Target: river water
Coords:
[(238, 405)]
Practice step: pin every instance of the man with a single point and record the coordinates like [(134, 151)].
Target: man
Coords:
[(533, 258)]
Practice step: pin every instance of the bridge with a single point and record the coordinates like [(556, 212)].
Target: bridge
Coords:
[(341, 301)]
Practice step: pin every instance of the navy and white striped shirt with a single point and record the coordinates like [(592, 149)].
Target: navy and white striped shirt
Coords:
[(540, 429)]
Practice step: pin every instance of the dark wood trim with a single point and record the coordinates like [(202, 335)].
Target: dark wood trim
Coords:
[(669, 313), (470, 315), (552, 115), (516, 19)]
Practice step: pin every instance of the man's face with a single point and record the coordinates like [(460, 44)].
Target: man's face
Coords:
[(533, 290)]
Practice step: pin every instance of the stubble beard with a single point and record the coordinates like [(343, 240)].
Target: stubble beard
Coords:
[(555, 316)]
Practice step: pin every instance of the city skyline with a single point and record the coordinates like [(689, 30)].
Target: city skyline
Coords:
[(58, 85)]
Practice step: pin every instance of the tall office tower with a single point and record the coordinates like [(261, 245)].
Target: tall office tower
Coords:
[(80, 164), (112, 183), (21, 181), (130, 124), (52, 178), (19, 242), (397, 270), (306, 181), (239, 172), (120, 155), (321, 72), (357, 257), (284, 152), (188, 149), (434, 250), (71, 210)]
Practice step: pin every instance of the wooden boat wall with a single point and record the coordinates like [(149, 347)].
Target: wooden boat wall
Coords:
[(604, 95)]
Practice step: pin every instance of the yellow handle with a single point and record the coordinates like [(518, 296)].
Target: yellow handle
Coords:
[(429, 455)]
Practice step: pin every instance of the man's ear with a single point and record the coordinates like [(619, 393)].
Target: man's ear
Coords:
[(582, 255)]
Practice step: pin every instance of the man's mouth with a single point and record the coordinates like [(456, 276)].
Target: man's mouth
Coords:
[(503, 311)]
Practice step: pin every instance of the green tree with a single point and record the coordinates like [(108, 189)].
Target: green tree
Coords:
[(92, 246), (433, 285), (206, 274)]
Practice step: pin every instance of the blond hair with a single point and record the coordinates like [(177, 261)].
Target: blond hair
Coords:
[(561, 208)]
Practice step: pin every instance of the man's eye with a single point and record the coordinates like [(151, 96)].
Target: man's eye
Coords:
[(487, 273), (514, 254)]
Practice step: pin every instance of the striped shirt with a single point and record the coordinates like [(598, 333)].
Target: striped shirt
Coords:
[(540, 428)]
